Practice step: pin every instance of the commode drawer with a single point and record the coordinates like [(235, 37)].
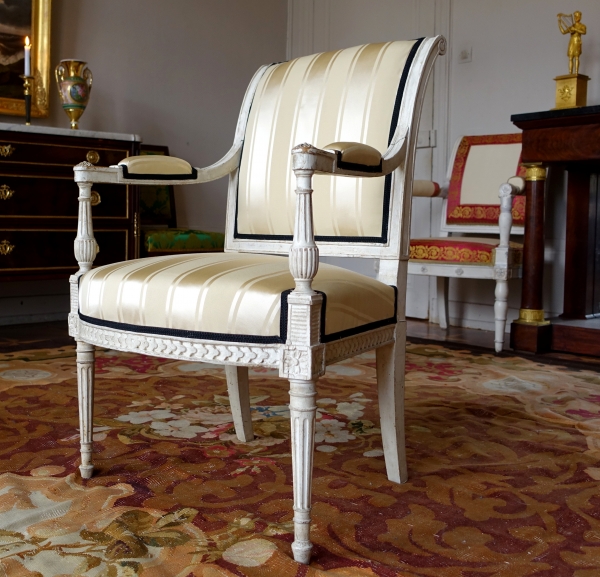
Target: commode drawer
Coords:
[(48, 250), (27, 153), (22, 197)]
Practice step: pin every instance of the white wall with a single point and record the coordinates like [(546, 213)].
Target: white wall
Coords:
[(517, 50), (174, 72)]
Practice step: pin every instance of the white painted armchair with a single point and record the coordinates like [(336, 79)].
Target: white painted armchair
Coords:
[(250, 307), (483, 198)]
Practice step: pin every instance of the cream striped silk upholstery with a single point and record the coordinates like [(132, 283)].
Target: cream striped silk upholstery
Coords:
[(343, 96), (219, 296)]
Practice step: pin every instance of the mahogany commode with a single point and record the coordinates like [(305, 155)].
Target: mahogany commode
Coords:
[(568, 138)]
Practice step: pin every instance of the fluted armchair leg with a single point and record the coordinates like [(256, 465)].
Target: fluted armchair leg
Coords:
[(85, 387), (239, 400), (302, 413)]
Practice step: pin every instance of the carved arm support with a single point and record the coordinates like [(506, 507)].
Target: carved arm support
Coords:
[(514, 186)]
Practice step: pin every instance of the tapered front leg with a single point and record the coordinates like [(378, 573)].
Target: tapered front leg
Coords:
[(85, 386), (302, 410), (239, 400)]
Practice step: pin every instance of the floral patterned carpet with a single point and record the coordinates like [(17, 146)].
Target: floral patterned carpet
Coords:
[(503, 457)]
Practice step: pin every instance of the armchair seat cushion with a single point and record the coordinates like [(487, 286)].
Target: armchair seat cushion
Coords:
[(465, 250), (232, 296)]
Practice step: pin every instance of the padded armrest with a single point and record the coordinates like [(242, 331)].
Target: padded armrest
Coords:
[(428, 189), (518, 183), (157, 167), (356, 156)]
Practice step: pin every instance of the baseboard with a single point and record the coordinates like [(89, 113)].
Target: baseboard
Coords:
[(35, 318)]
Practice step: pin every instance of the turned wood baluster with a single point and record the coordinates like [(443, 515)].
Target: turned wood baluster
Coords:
[(86, 249), (304, 307), (304, 254), (501, 293)]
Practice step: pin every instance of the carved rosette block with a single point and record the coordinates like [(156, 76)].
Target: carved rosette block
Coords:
[(85, 384)]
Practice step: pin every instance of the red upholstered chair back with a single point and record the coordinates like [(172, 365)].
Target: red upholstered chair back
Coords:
[(481, 164)]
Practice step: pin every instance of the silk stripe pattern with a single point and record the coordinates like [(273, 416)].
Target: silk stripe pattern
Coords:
[(341, 96), (232, 294)]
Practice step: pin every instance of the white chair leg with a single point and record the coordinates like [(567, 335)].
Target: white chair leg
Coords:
[(302, 413), (390, 383), (239, 400), (442, 299), (500, 312), (85, 387)]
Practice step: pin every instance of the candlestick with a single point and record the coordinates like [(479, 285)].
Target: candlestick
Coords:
[(27, 57), (27, 84)]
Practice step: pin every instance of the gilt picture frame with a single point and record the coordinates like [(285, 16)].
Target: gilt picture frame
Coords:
[(15, 25)]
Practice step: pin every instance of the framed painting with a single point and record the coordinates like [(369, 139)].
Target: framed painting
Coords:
[(18, 19)]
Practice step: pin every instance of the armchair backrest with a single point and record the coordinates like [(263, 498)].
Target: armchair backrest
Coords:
[(478, 166), (370, 94)]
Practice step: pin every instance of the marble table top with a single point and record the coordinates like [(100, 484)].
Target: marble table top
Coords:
[(68, 132)]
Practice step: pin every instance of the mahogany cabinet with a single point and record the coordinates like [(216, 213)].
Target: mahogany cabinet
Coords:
[(38, 200)]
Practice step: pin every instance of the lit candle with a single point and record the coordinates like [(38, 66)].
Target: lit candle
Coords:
[(27, 57)]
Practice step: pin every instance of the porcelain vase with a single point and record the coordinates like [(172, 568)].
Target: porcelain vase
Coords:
[(74, 81)]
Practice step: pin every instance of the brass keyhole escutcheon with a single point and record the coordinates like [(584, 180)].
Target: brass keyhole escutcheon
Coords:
[(6, 248), (6, 192), (92, 156), (6, 149), (95, 198)]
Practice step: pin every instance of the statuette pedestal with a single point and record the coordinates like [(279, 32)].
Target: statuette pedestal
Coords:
[(571, 91)]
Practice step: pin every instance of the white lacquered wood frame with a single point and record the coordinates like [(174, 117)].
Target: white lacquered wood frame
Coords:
[(303, 358)]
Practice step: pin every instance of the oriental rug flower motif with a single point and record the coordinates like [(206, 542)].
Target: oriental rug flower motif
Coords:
[(503, 459)]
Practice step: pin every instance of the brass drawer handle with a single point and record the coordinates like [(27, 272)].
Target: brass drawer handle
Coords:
[(6, 247), (92, 156), (95, 198), (6, 192), (6, 149)]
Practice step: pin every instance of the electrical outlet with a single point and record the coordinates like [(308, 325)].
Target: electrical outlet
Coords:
[(465, 55)]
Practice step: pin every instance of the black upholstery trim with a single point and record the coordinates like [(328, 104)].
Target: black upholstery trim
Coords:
[(287, 237), (387, 187), (252, 339), (356, 166), (161, 331), (135, 176)]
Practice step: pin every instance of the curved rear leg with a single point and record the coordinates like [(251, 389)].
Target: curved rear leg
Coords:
[(390, 383), (239, 399)]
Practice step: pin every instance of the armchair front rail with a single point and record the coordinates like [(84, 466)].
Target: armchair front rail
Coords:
[(299, 315)]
